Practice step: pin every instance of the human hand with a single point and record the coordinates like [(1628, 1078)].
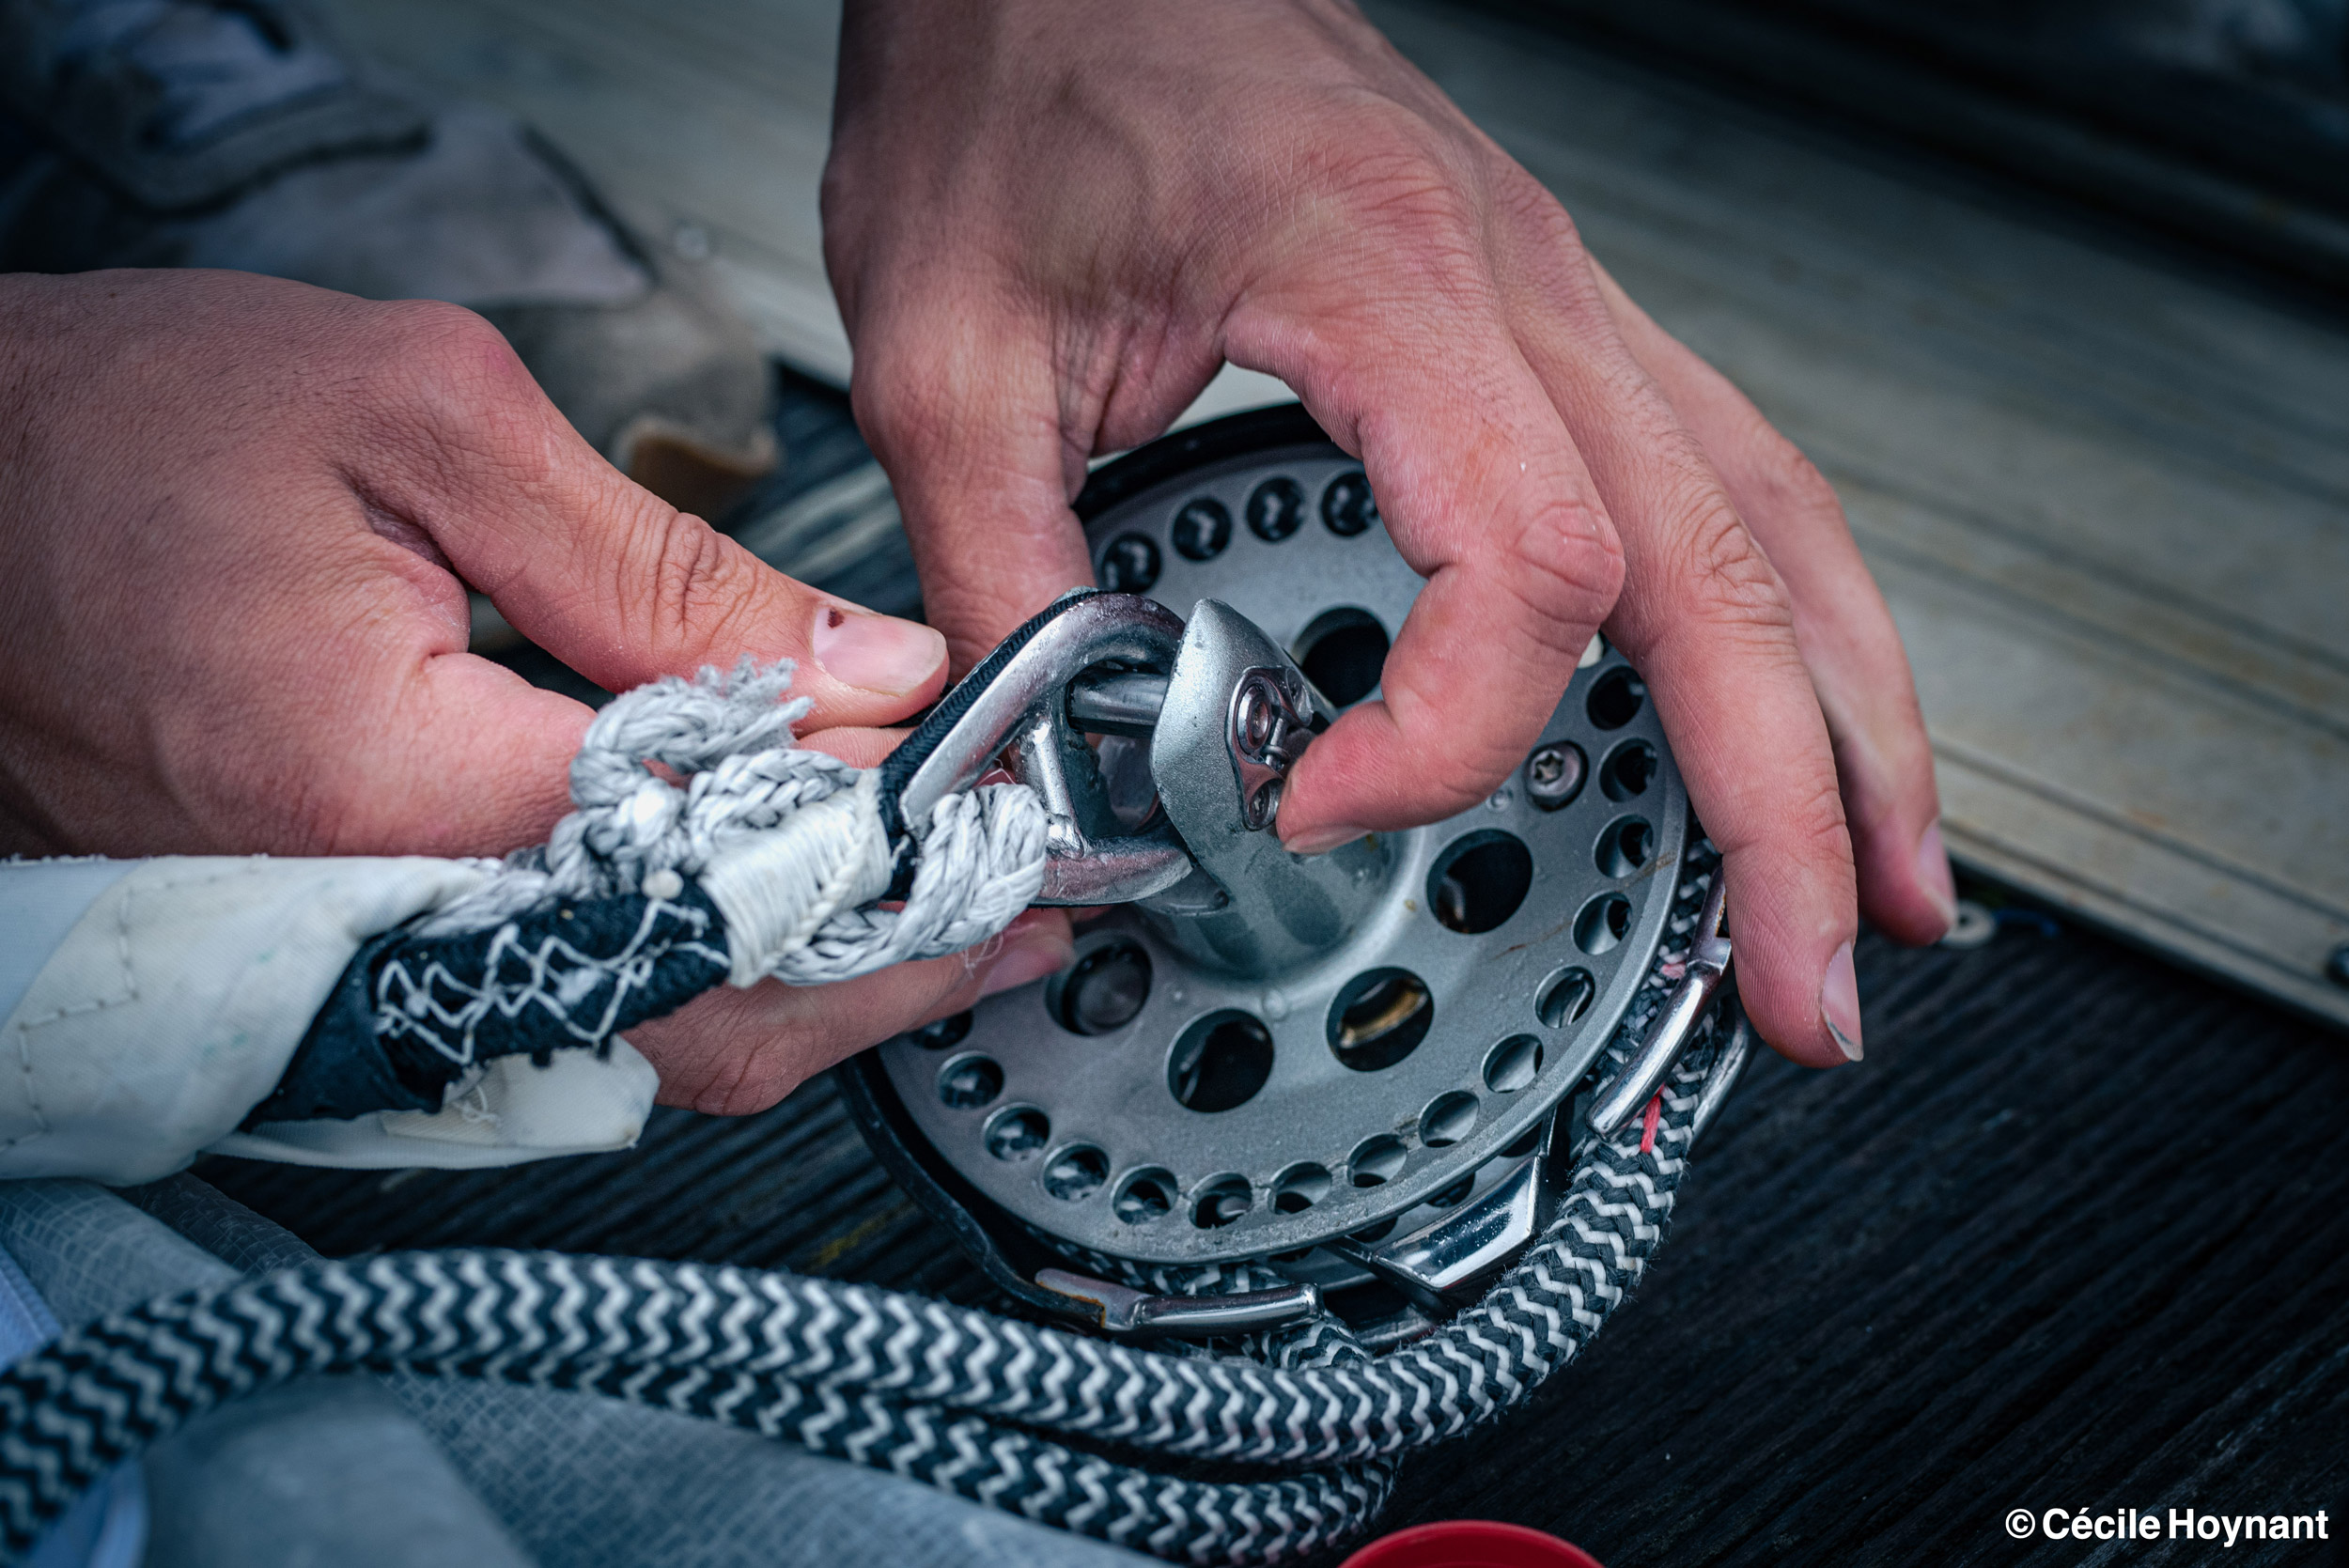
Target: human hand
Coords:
[(1050, 222), (241, 516)]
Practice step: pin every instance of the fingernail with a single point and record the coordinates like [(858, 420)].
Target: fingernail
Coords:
[(1933, 875), (876, 653), (1839, 1002), (1028, 959), (1322, 840)]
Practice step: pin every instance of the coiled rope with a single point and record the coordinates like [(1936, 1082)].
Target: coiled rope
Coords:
[(954, 1397)]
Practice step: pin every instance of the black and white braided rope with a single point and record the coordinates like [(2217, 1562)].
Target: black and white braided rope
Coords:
[(970, 1402)]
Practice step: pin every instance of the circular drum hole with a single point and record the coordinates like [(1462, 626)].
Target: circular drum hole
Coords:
[(1219, 1201), (1627, 771), (1447, 1119), (1512, 1064), (1453, 1195), (1219, 1062), (1275, 508), (1604, 922), (1479, 880), (1625, 846), (1299, 1187), (1201, 529), (1372, 1234), (1377, 1161), (943, 1033), (969, 1082), (1565, 996), (1076, 1171), (1017, 1132), (1344, 653), (1379, 1018), (1130, 563), (1143, 1196), (1103, 991), (1347, 507), (1615, 700)]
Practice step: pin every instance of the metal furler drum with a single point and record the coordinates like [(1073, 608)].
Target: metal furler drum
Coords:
[(1272, 1082)]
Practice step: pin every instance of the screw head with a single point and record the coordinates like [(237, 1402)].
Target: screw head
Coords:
[(1264, 806), (1256, 716), (1554, 774), (2337, 966)]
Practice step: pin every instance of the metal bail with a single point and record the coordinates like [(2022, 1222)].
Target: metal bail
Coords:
[(1676, 1025)]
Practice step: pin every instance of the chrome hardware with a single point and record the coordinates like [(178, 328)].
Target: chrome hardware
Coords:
[(1443, 1259), (1123, 1309), (1675, 1028), (1554, 774), (1736, 1053), (1120, 702), (1237, 713), (1266, 736), (1025, 707)]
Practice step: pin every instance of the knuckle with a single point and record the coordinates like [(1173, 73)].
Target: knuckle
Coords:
[(1400, 190), (1728, 579), (906, 403), (446, 379), (1533, 210), (1566, 570), (1790, 484), (1816, 826), (686, 584), (1404, 185), (751, 1083), (447, 345)]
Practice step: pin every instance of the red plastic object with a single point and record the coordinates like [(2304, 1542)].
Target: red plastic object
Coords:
[(1471, 1544)]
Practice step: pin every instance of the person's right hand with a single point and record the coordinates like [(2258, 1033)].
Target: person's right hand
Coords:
[(1050, 222), (238, 516)]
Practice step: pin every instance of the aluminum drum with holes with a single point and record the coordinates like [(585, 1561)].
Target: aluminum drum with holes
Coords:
[(1152, 1106)]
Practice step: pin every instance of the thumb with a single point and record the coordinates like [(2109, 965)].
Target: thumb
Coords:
[(610, 579)]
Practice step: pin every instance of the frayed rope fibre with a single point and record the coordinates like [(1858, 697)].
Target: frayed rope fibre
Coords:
[(795, 883)]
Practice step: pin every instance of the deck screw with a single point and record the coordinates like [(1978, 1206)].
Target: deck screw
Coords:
[(1554, 774)]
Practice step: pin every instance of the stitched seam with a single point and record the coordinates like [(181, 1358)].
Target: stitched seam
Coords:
[(129, 992)]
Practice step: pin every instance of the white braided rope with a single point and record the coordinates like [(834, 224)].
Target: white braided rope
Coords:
[(797, 883)]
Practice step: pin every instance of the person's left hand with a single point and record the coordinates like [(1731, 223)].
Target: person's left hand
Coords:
[(240, 515)]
